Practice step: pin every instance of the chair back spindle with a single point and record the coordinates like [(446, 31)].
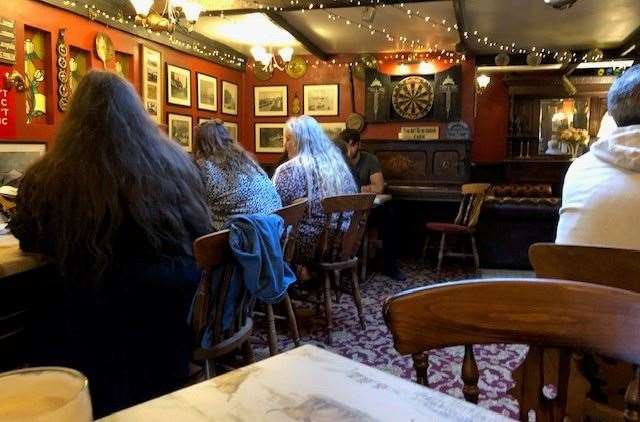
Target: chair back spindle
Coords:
[(292, 216), (473, 195)]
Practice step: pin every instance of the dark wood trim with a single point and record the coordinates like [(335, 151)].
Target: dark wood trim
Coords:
[(458, 7), (180, 34), (311, 47)]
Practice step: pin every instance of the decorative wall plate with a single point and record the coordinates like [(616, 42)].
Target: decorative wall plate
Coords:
[(104, 48), (412, 97), (296, 68)]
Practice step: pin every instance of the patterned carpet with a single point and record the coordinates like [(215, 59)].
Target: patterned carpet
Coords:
[(374, 346)]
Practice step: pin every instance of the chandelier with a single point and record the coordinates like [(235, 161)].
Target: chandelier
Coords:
[(169, 17), (268, 60)]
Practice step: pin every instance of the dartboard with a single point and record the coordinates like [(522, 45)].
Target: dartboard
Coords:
[(412, 97)]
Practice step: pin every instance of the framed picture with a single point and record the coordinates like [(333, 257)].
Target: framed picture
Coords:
[(178, 85), (232, 128), (229, 98), (207, 92), (269, 137), (333, 129), (270, 100), (181, 130), (16, 158), (152, 82), (321, 100)]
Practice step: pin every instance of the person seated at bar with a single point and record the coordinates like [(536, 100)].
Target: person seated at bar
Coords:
[(234, 183), (315, 170), (116, 207), (368, 171), (601, 194)]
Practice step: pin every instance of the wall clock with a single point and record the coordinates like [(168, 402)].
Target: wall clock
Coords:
[(412, 97)]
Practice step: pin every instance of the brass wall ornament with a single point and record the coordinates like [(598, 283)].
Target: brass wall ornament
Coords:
[(104, 48), (15, 80), (62, 50), (295, 106)]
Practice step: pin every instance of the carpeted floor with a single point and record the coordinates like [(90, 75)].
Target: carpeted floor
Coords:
[(374, 346)]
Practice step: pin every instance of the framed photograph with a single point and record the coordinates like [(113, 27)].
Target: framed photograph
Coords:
[(16, 158), (269, 137), (321, 100), (152, 82), (270, 100), (333, 129), (181, 130), (232, 128), (229, 98), (178, 85), (207, 92)]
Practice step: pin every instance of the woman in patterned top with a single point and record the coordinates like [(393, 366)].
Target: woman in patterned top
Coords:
[(315, 170), (234, 183)]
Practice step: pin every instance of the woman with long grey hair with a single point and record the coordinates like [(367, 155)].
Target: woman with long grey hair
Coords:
[(234, 183), (315, 170)]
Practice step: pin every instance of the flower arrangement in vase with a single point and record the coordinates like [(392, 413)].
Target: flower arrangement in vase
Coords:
[(574, 138)]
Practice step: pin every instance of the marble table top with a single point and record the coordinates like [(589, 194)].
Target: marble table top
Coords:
[(13, 260), (305, 384)]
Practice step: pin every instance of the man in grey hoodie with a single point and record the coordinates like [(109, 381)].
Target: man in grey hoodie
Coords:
[(601, 195)]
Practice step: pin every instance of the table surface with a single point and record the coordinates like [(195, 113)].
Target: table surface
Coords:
[(13, 260), (305, 384)]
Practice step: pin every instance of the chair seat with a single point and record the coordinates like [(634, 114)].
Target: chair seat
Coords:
[(447, 228)]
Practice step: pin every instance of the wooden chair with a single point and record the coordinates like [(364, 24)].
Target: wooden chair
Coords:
[(212, 252), (598, 386), (292, 215), (344, 227), (539, 312), (473, 195)]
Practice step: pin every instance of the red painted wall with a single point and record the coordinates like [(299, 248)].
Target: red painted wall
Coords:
[(81, 33), (324, 74), (491, 122)]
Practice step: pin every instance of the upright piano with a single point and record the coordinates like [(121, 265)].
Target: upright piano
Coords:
[(423, 170)]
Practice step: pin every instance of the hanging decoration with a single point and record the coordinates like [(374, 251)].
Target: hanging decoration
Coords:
[(62, 51), (502, 59), (593, 55), (295, 105), (296, 68), (104, 48), (534, 59)]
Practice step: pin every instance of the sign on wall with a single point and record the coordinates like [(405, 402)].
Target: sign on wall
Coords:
[(419, 133), (7, 108), (7, 41)]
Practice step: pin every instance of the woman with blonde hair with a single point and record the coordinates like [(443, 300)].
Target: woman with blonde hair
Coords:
[(234, 183), (316, 169)]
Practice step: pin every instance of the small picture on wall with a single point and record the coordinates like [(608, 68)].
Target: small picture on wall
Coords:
[(15, 159), (178, 85), (321, 100), (269, 137), (151, 79), (332, 130), (180, 130), (232, 128), (207, 92), (270, 100), (229, 98)]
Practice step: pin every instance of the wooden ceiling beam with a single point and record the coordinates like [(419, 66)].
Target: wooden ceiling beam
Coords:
[(285, 6), (311, 47), (458, 8), (631, 44)]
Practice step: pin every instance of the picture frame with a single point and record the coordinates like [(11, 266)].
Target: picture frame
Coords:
[(232, 128), (229, 98), (321, 100), (332, 129), (207, 92), (16, 158), (270, 137), (178, 85), (270, 100), (180, 129), (151, 81)]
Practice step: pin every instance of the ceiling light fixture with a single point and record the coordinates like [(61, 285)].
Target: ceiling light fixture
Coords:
[(170, 15), (269, 60)]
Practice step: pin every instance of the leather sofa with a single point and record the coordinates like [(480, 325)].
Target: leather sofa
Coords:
[(514, 217)]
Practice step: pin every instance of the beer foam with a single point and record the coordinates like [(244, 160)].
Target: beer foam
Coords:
[(47, 395)]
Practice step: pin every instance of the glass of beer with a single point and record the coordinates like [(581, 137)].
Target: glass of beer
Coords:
[(44, 394)]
